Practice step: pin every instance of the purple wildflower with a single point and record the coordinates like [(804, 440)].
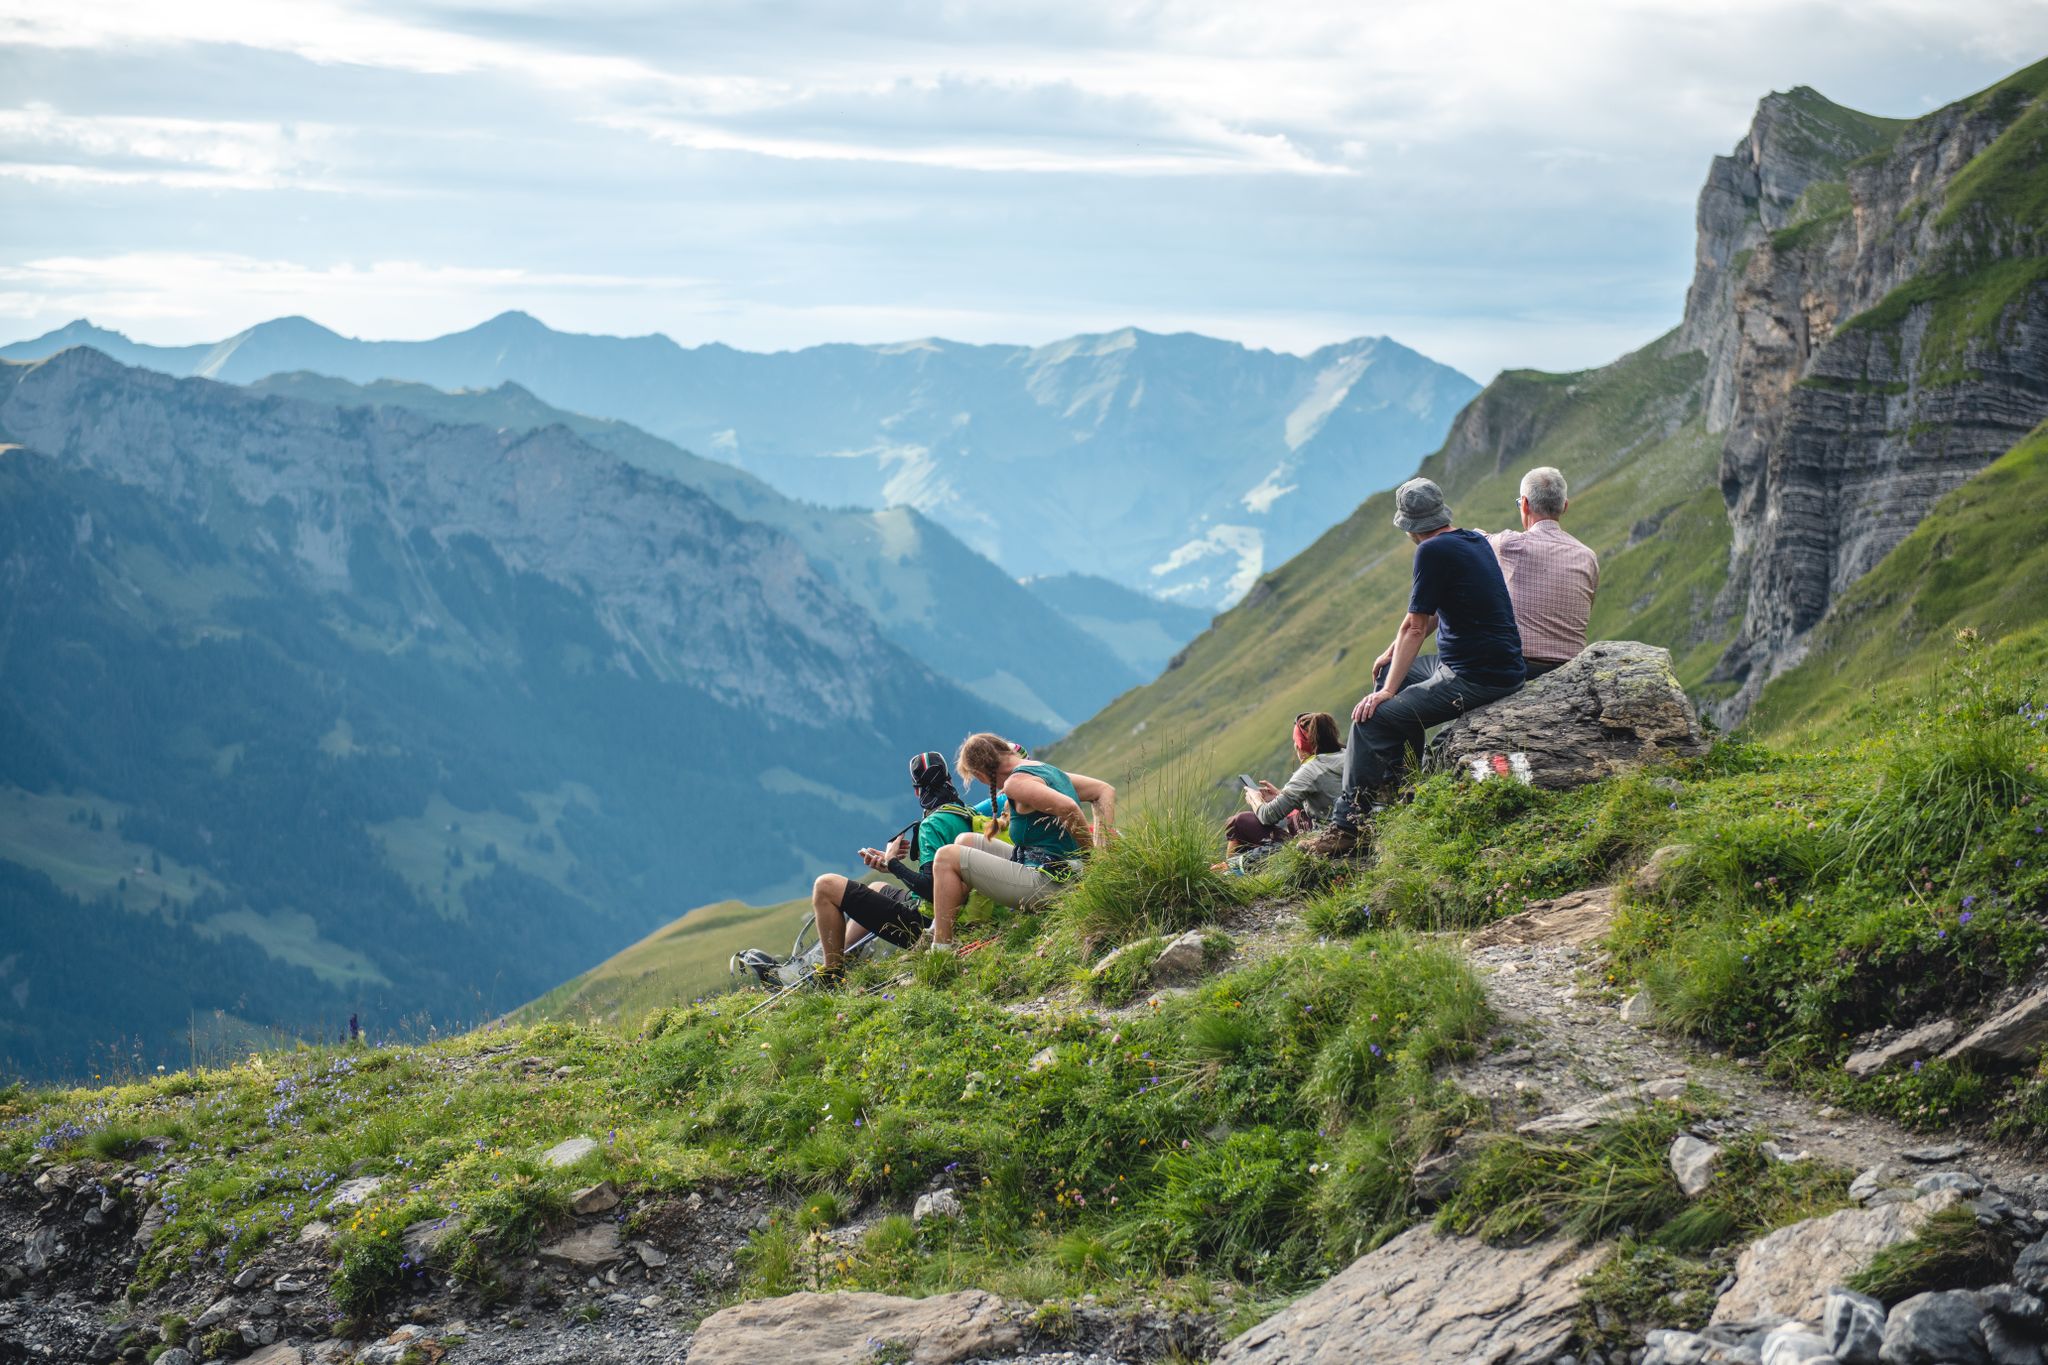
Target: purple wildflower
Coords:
[(1963, 918)]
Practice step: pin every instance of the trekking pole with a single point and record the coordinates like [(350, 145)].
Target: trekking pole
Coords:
[(795, 985)]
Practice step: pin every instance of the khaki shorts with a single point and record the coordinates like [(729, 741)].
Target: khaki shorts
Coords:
[(986, 867)]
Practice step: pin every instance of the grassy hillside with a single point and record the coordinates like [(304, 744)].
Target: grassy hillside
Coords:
[(1978, 560), (1219, 1149), (675, 964), (1630, 440)]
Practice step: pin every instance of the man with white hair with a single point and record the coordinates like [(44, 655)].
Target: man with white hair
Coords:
[(1552, 577)]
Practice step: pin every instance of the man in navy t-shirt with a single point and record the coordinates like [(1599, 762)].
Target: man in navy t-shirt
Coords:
[(1459, 594)]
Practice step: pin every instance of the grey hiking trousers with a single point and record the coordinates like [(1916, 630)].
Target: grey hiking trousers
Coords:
[(1376, 754), (986, 866)]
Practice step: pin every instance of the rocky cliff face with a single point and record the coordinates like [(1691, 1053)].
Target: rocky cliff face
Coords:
[(1872, 304)]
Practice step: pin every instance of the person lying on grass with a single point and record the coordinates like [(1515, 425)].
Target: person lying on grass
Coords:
[(1049, 834), (1277, 814), (895, 914)]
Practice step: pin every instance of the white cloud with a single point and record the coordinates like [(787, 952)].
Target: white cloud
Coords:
[(41, 143), (208, 288), (1495, 183)]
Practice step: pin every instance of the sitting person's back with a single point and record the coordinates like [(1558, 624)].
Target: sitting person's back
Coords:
[(1552, 576)]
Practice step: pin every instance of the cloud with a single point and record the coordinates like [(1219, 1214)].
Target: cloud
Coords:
[(168, 286), (1493, 182), (38, 142)]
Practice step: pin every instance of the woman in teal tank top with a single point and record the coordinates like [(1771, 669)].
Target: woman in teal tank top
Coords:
[(1041, 832), (1048, 830)]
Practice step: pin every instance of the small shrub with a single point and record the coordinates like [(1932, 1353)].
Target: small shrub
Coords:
[(1950, 1251), (1156, 876), (371, 1275), (515, 1212), (1616, 1178), (1641, 1286), (821, 1210), (771, 1258), (1339, 912), (1083, 1253)]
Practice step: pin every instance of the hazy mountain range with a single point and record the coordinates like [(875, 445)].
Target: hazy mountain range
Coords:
[(1176, 465), (308, 710)]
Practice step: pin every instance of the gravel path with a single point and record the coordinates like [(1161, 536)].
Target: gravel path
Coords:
[(1565, 1043)]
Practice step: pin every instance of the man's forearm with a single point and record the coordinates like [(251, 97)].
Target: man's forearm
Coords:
[(1407, 645)]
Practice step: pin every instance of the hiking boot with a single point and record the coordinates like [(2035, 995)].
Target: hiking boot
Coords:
[(1337, 841)]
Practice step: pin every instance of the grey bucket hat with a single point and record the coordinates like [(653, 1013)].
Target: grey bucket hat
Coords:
[(1419, 507)]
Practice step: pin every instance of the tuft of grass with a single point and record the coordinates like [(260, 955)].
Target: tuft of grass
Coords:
[(1643, 1285), (1157, 876), (1950, 1251), (1617, 1180)]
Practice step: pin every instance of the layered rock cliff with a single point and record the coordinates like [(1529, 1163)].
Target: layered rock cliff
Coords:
[(1876, 330)]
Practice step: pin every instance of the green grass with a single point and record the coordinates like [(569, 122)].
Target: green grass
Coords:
[(676, 963), (1873, 884), (1197, 1140), (1157, 876), (1950, 1251), (1977, 561)]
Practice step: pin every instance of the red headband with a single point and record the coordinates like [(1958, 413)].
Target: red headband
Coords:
[(1301, 740)]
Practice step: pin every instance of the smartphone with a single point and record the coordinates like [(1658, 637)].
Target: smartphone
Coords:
[(1248, 782)]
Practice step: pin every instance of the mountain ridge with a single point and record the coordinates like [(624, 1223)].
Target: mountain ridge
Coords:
[(311, 710), (1173, 463)]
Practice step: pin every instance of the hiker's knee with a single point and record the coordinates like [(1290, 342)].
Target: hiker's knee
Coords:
[(828, 888), (948, 857)]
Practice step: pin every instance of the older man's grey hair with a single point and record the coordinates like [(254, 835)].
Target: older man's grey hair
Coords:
[(1544, 488)]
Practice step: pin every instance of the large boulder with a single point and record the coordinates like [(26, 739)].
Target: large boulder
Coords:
[(1616, 706), (1787, 1273), (1426, 1299), (852, 1329)]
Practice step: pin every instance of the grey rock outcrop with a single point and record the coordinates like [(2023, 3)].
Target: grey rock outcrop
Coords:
[(2011, 1035), (569, 1151), (1602, 1108), (1617, 706), (1935, 1329), (846, 1329), (1786, 1274), (1854, 1326), (1426, 1298), (1574, 920), (1909, 1046), (1839, 440), (587, 1248), (1693, 1163)]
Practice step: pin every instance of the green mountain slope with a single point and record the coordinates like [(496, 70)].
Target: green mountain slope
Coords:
[(1978, 561), (674, 965)]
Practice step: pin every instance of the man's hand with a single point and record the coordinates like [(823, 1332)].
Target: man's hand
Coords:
[(899, 847), (875, 858), (1370, 703), (1386, 657)]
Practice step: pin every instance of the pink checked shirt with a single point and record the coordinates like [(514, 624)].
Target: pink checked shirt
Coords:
[(1552, 578)]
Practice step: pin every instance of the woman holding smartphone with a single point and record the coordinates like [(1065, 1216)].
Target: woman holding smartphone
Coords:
[(1276, 814)]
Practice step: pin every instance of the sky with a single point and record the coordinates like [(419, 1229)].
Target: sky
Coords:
[(1494, 184)]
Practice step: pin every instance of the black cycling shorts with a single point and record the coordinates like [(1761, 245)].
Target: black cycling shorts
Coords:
[(889, 912)]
